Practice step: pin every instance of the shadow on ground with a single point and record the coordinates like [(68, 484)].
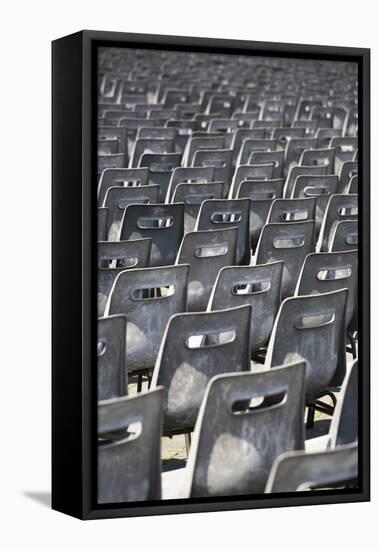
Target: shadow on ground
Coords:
[(41, 497)]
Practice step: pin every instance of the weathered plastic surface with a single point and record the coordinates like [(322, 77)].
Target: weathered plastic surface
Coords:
[(191, 174), (112, 374), (340, 208), (289, 242), (319, 157), (344, 236), (129, 461), (257, 285), (206, 252), (195, 348), (301, 471), (102, 224), (114, 257), (348, 170), (296, 171), (344, 426), (233, 450), (192, 195), (145, 145), (292, 210), (160, 169), (223, 214), (221, 160), (162, 223), (121, 177), (312, 328), (148, 297)]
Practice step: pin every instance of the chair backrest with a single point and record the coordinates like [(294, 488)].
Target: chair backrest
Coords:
[(192, 196), (241, 135), (318, 157), (284, 135), (162, 223), (249, 146), (312, 328), (116, 160), (121, 177), (221, 160), (257, 285), (160, 168), (344, 425), (302, 471), (294, 149), (112, 373), (206, 252), (296, 171), (289, 242), (202, 143), (232, 450), (224, 214), (157, 146), (327, 271), (102, 224), (129, 447), (196, 347), (292, 210), (269, 157), (191, 174), (349, 169), (118, 198), (340, 208), (114, 257), (245, 173), (325, 137), (148, 297), (344, 236), (353, 185), (345, 148)]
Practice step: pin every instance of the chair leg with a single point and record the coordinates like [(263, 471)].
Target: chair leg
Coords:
[(310, 417)]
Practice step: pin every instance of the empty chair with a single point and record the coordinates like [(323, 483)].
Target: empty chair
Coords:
[(220, 160), (351, 123), (289, 242), (112, 374), (247, 173), (107, 147), (106, 133), (192, 174), (232, 451), (206, 252), (349, 169), (296, 171), (312, 328), (318, 157), (129, 447), (353, 185), (192, 195), (340, 208), (116, 160), (284, 135), (257, 285), (292, 210), (325, 138), (157, 146), (327, 271), (160, 168), (114, 257), (148, 297), (345, 148), (223, 214), (319, 187), (303, 471), (294, 149), (261, 195), (118, 198), (195, 348), (269, 157), (102, 224), (243, 134), (121, 177), (250, 146), (162, 223), (202, 143), (344, 236)]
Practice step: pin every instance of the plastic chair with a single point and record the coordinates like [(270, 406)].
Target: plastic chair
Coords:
[(200, 144), (297, 171), (162, 223), (349, 169), (114, 257), (250, 146), (259, 286), (206, 252), (340, 208), (223, 214), (344, 236), (195, 348), (289, 242), (230, 452), (148, 297), (292, 210), (156, 146), (325, 138), (221, 160), (294, 149), (345, 148), (353, 185), (160, 169), (188, 175), (102, 224), (269, 157), (192, 195), (318, 157), (112, 373), (129, 447), (121, 177)]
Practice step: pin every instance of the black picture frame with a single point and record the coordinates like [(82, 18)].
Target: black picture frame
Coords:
[(74, 269)]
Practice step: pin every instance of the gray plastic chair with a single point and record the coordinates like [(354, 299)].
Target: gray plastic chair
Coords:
[(250, 146), (261, 195), (221, 160), (160, 168), (294, 149), (318, 157), (114, 257), (148, 297), (102, 224), (129, 448), (296, 171), (328, 271), (345, 148), (206, 252), (303, 471), (192, 196), (244, 173), (232, 451), (344, 236), (242, 135), (200, 144), (353, 185), (121, 177), (325, 137), (118, 198), (110, 161), (312, 328), (192, 174), (156, 146), (340, 208), (349, 169), (196, 347), (269, 157), (257, 285), (289, 242), (292, 210), (112, 373), (106, 133), (162, 223), (224, 214), (284, 135)]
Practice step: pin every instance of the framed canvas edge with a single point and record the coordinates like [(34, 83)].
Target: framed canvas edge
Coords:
[(87, 505)]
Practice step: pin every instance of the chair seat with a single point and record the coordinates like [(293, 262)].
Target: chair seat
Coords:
[(173, 484)]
